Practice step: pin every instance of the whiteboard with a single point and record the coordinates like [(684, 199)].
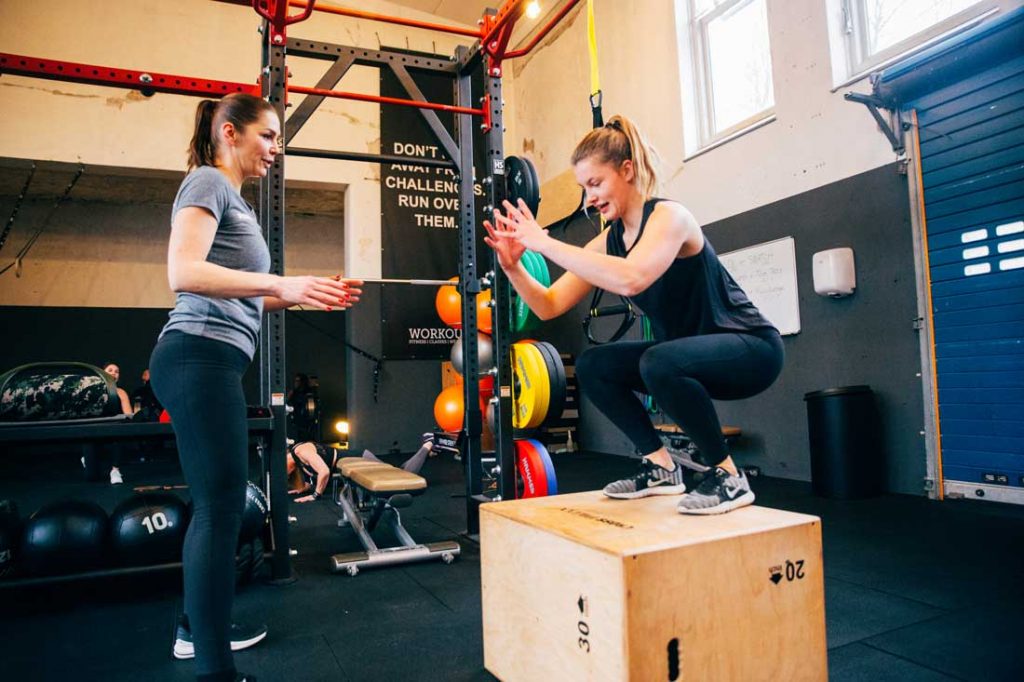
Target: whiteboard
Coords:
[(767, 272)]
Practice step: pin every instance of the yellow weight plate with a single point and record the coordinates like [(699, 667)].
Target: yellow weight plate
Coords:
[(533, 387)]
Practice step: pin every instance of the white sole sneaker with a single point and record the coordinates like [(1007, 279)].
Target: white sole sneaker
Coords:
[(743, 500), (185, 650), (648, 492)]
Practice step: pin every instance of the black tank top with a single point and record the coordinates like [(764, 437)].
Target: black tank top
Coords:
[(695, 296), (328, 455)]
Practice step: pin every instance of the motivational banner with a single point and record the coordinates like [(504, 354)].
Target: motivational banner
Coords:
[(419, 220)]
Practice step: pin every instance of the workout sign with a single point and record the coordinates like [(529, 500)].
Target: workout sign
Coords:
[(419, 221)]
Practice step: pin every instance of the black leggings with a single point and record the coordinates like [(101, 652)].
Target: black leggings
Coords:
[(199, 381), (683, 376)]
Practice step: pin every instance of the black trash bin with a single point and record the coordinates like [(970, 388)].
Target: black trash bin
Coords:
[(846, 443)]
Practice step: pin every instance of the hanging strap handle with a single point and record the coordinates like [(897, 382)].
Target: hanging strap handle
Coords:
[(596, 97), (625, 309)]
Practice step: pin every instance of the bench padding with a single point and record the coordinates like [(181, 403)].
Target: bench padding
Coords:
[(346, 465), (378, 477)]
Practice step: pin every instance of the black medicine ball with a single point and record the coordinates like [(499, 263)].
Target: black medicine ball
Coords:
[(148, 529), (64, 537), (254, 518)]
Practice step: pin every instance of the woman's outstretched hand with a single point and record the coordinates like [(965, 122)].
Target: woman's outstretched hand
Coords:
[(518, 225), (325, 293), (508, 250)]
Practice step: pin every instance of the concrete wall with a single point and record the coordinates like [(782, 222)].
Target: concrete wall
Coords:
[(114, 255)]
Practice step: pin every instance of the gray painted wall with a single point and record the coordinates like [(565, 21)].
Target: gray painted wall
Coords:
[(404, 408), (867, 338)]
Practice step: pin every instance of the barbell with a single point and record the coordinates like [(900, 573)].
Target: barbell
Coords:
[(413, 282)]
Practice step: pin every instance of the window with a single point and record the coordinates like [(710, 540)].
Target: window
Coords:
[(875, 31), (731, 66)]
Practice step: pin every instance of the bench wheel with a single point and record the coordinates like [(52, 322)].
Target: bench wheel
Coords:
[(352, 570), (447, 557)]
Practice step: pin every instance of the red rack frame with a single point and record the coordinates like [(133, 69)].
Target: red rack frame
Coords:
[(146, 81)]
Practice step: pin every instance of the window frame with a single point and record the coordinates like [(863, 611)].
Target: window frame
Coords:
[(702, 83), (852, 22)]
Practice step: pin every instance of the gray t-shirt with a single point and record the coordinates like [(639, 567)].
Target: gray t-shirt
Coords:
[(238, 245)]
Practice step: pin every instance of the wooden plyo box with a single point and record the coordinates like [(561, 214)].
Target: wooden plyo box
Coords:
[(583, 587)]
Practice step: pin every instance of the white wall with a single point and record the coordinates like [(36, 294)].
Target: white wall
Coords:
[(818, 137)]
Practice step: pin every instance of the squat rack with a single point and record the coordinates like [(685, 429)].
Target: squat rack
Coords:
[(489, 51)]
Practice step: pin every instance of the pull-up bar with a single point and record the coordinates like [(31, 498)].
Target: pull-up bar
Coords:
[(544, 31), (371, 16), (146, 81), (151, 81), (338, 94), (490, 32)]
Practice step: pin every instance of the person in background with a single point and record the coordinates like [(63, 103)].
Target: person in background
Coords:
[(116, 448), (303, 399), (310, 465), (145, 406)]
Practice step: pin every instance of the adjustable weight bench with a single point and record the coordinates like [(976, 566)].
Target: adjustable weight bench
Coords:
[(682, 448), (374, 491)]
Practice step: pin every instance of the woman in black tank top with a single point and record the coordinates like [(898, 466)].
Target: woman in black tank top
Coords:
[(710, 342)]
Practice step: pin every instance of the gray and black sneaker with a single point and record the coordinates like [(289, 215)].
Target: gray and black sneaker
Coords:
[(242, 637), (650, 479), (719, 492)]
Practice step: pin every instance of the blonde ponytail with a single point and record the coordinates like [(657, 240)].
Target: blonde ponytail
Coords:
[(617, 141)]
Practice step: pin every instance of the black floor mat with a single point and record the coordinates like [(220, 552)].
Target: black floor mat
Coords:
[(915, 589)]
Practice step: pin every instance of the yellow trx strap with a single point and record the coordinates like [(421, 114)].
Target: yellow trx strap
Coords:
[(595, 79)]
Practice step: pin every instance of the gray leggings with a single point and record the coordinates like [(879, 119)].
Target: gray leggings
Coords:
[(199, 381), (683, 376)]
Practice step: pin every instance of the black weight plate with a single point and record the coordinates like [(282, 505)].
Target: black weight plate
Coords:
[(556, 373), (521, 182)]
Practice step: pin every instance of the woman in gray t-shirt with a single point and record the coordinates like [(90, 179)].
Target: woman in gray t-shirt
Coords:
[(218, 265)]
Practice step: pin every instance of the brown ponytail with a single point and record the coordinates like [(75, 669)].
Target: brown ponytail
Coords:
[(201, 150), (239, 109), (617, 141)]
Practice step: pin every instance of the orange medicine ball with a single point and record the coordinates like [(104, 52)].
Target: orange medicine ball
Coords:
[(449, 307), (448, 408), (448, 304)]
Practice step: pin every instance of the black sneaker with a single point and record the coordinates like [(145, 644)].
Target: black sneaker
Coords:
[(650, 479), (719, 492), (242, 637)]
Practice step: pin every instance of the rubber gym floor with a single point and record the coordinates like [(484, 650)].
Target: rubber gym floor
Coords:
[(915, 590)]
